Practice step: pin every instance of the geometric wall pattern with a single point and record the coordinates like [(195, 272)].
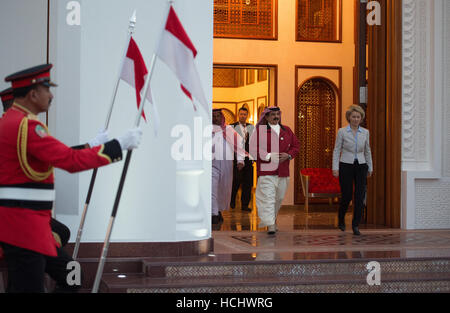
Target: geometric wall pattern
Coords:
[(253, 19), (317, 20)]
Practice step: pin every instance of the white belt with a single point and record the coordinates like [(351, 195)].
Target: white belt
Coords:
[(27, 194)]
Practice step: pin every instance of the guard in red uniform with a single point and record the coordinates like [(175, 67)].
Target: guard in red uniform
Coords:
[(60, 231), (28, 156)]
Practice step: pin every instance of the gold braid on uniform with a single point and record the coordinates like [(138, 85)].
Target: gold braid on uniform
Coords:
[(22, 154), (57, 238)]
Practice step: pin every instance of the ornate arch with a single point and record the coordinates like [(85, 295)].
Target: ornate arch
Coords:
[(317, 100)]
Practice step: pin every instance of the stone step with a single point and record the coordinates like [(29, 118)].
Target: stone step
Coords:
[(219, 274), (390, 282), (289, 268), (117, 266), (89, 269)]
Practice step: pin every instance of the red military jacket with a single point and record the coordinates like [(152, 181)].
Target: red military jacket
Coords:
[(28, 155), (264, 140)]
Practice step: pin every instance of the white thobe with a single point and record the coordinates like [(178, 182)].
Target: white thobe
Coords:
[(222, 173), (270, 191)]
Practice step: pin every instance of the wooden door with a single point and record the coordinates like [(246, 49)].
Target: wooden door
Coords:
[(383, 107), (316, 130)]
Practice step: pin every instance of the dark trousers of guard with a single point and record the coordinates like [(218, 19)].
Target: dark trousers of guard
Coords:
[(350, 174), (243, 177), (26, 270)]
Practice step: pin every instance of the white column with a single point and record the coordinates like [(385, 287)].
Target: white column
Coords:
[(86, 57), (426, 182)]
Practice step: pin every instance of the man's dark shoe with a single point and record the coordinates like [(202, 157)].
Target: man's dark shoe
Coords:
[(356, 231), (342, 227)]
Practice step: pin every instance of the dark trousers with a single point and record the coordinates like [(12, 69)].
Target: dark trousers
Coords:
[(348, 174), (243, 177), (26, 270)]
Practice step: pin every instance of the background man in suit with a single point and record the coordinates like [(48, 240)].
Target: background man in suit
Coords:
[(244, 177)]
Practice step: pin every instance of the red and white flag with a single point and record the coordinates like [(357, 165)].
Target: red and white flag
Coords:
[(134, 72), (177, 51)]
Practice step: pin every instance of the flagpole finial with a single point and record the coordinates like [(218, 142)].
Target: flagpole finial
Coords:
[(132, 22)]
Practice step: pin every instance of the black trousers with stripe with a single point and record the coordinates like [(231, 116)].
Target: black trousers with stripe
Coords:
[(26, 270), (350, 174)]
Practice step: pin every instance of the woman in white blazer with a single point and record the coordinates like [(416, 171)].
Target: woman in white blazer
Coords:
[(352, 162)]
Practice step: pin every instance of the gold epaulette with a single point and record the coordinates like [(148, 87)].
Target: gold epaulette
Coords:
[(22, 138)]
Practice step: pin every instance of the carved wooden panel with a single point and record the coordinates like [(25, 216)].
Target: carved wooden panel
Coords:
[(228, 77), (230, 117), (254, 19), (316, 101), (224, 77), (318, 20)]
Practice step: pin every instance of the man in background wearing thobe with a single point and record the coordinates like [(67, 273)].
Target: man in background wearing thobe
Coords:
[(225, 142)]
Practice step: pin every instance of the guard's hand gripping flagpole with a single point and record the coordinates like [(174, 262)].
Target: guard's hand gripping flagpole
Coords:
[(131, 27)]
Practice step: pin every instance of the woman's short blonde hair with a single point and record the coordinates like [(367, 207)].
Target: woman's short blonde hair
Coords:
[(355, 108)]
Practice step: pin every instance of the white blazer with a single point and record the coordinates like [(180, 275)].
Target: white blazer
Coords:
[(346, 151)]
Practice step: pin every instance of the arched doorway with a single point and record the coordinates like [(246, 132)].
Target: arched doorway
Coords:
[(230, 117), (316, 104)]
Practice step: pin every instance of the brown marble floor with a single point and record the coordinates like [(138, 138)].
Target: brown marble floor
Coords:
[(320, 216), (302, 236)]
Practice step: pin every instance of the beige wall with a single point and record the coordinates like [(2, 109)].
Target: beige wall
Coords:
[(239, 95), (286, 53)]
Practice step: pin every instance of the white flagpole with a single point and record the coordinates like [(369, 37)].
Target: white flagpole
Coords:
[(124, 173), (131, 26)]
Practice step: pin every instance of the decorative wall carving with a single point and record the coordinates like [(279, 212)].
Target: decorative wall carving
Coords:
[(432, 204), (415, 80), (318, 20), (252, 19), (409, 83), (446, 99)]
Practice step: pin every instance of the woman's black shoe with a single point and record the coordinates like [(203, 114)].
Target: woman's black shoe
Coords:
[(341, 224), (356, 231)]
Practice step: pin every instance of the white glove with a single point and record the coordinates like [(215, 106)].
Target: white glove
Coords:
[(131, 139), (100, 139)]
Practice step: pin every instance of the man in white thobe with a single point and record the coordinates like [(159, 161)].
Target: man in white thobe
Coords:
[(225, 141), (273, 145)]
